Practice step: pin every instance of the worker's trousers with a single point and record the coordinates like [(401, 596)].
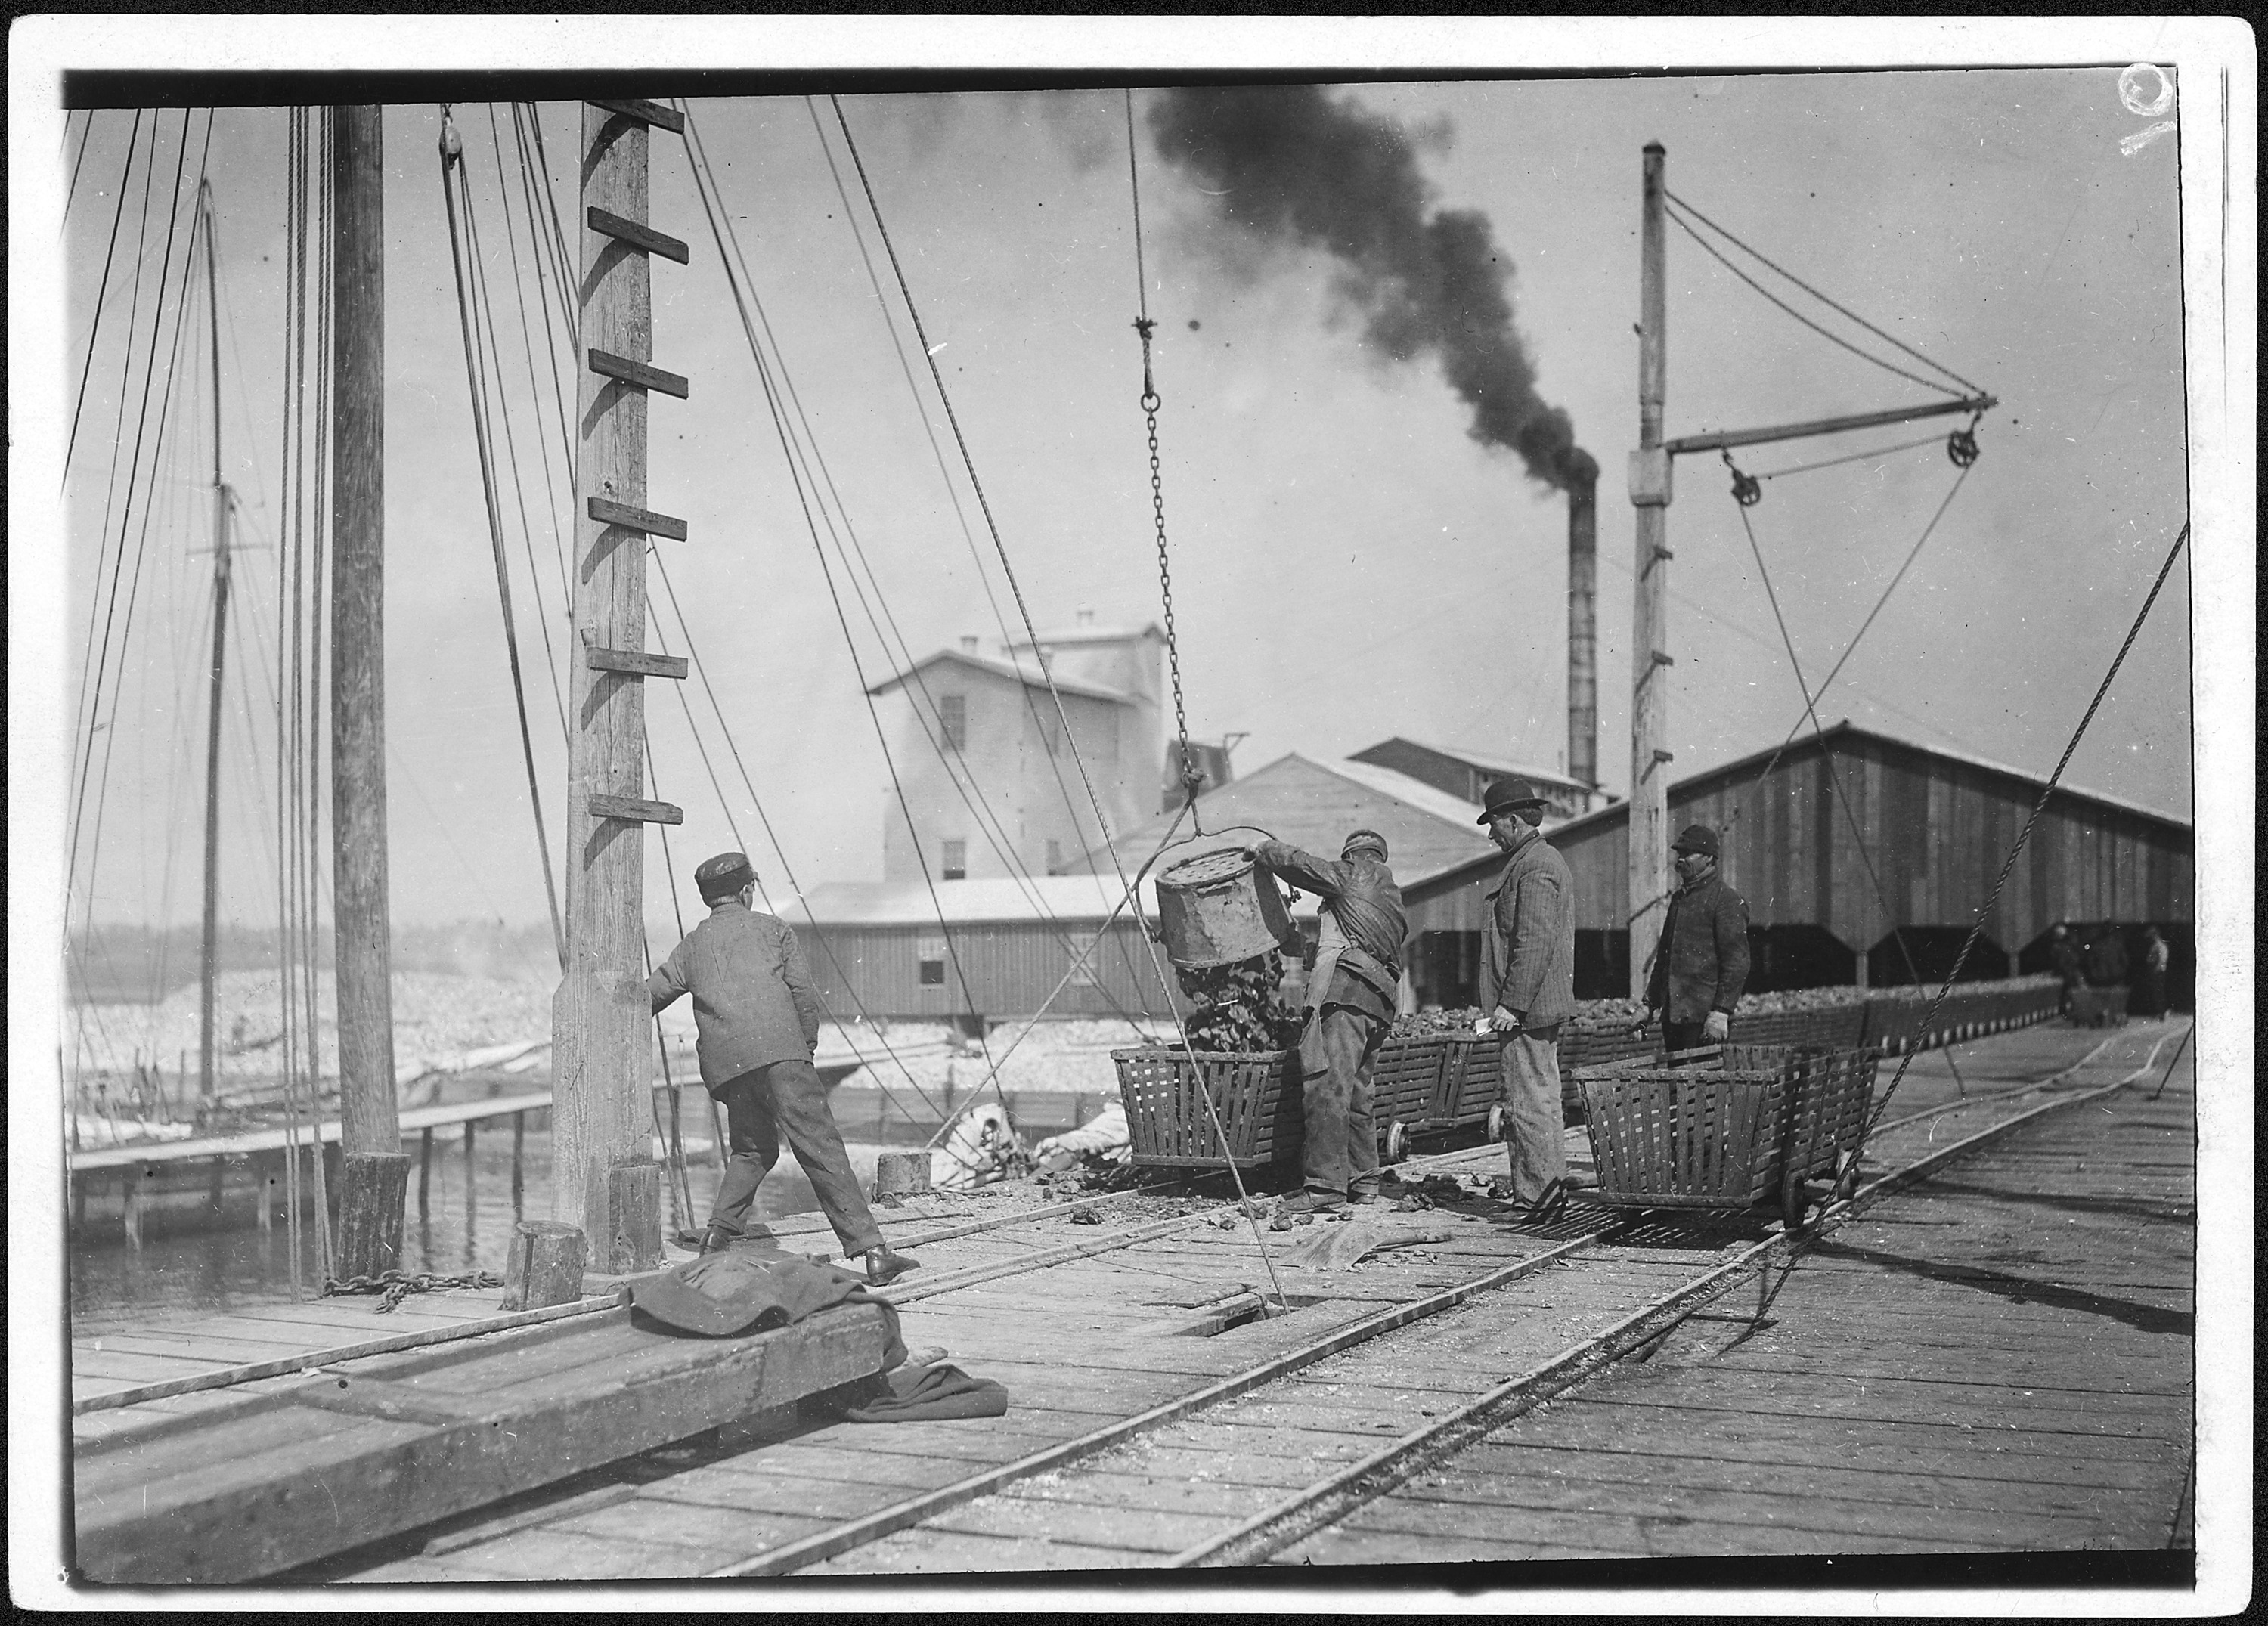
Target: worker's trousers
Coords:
[(1535, 1125), (1338, 1138), (787, 1099)]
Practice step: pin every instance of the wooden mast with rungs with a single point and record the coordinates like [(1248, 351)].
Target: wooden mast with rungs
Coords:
[(604, 1178), (1648, 872), (374, 1171)]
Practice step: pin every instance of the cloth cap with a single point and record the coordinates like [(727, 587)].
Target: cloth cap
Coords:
[(1508, 796), (1370, 840), (1696, 838), (724, 875), (720, 1295)]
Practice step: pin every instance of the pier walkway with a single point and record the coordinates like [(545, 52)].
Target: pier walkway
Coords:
[(1994, 1355)]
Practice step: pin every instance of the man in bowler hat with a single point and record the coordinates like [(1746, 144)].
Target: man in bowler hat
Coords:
[(1702, 960), (758, 1017), (1527, 988)]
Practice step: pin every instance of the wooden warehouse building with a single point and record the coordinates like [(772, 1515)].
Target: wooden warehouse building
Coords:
[(1936, 828)]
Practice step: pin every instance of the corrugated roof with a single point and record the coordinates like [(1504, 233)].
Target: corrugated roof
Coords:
[(1489, 763), (1314, 805), (1006, 669)]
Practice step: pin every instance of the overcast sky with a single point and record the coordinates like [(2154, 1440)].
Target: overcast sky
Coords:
[(1348, 563)]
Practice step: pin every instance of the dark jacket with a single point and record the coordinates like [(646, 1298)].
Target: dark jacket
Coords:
[(1360, 895), (1527, 953), (2106, 959), (2063, 956), (753, 1001), (1703, 960)]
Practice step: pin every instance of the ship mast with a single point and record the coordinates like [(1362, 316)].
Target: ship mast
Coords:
[(210, 942)]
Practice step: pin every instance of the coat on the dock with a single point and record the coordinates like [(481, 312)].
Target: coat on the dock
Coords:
[(753, 1002), (1362, 919), (1701, 961), (1527, 953)]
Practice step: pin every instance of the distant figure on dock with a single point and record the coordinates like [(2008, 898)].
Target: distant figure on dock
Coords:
[(1527, 986), (2150, 990), (758, 1020), (2064, 960), (1701, 961), (2106, 956), (1352, 994)]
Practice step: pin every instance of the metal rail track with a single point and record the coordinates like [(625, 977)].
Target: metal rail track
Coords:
[(1333, 1498)]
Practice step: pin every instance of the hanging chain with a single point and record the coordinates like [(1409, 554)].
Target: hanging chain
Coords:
[(1192, 777)]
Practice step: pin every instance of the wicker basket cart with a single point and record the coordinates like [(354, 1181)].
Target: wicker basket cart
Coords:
[(1255, 1092), (1405, 1077)]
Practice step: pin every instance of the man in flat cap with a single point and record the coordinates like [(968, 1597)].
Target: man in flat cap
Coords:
[(1702, 961), (758, 1021), (1527, 986), (1352, 994)]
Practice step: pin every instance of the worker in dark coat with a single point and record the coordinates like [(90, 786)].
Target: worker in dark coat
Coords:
[(2064, 960), (1351, 995), (2106, 956), (1527, 986), (757, 1018), (1701, 961)]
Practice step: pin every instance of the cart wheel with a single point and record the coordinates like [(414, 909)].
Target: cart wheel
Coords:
[(1792, 1200), (1846, 1185), (1397, 1141), (1496, 1122)]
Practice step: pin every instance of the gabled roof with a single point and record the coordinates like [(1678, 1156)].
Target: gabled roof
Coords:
[(1090, 635), (1314, 805), (1027, 676)]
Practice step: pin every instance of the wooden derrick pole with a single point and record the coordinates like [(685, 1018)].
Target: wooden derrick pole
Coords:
[(604, 1178), (374, 1172), (1648, 870)]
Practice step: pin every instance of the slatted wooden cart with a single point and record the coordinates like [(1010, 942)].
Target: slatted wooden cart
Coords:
[(1254, 1092)]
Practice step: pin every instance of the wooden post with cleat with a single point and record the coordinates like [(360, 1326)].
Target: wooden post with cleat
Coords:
[(604, 1179)]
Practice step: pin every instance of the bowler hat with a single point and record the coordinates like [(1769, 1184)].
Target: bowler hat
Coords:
[(1369, 839), (1507, 796), (1696, 838), (724, 875)]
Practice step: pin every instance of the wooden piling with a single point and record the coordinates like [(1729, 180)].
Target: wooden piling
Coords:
[(373, 1171), (544, 1265)]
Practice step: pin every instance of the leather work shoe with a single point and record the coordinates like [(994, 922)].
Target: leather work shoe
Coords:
[(1308, 1203), (884, 1267), (717, 1239)]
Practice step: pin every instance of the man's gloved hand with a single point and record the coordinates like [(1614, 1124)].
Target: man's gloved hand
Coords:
[(1715, 1027)]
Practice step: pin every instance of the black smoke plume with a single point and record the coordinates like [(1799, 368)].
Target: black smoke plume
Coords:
[(1289, 163)]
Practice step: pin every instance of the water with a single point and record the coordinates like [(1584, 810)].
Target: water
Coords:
[(463, 1226)]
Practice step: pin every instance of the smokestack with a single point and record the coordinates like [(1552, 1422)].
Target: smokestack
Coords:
[(1583, 629)]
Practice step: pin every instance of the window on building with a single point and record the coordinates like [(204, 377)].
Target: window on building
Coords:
[(933, 973), (953, 713), (1055, 855), (955, 865)]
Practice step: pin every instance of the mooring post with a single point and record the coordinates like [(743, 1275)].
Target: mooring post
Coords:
[(604, 1178), (373, 1170)]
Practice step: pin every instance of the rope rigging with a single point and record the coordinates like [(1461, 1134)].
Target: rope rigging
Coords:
[(768, 369), (1050, 747), (452, 150), (117, 215)]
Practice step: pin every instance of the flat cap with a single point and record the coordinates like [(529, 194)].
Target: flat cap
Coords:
[(1696, 838), (1370, 840), (724, 875)]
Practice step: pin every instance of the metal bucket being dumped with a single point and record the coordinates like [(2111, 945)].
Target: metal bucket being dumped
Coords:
[(1220, 908)]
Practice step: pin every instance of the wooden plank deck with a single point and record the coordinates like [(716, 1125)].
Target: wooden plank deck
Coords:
[(1999, 1360)]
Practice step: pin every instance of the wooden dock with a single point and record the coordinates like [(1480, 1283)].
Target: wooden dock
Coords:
[(2008, 1336)]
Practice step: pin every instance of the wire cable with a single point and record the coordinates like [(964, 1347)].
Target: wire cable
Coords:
[(2039, 806), (1832, 338), (1973, 388)]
